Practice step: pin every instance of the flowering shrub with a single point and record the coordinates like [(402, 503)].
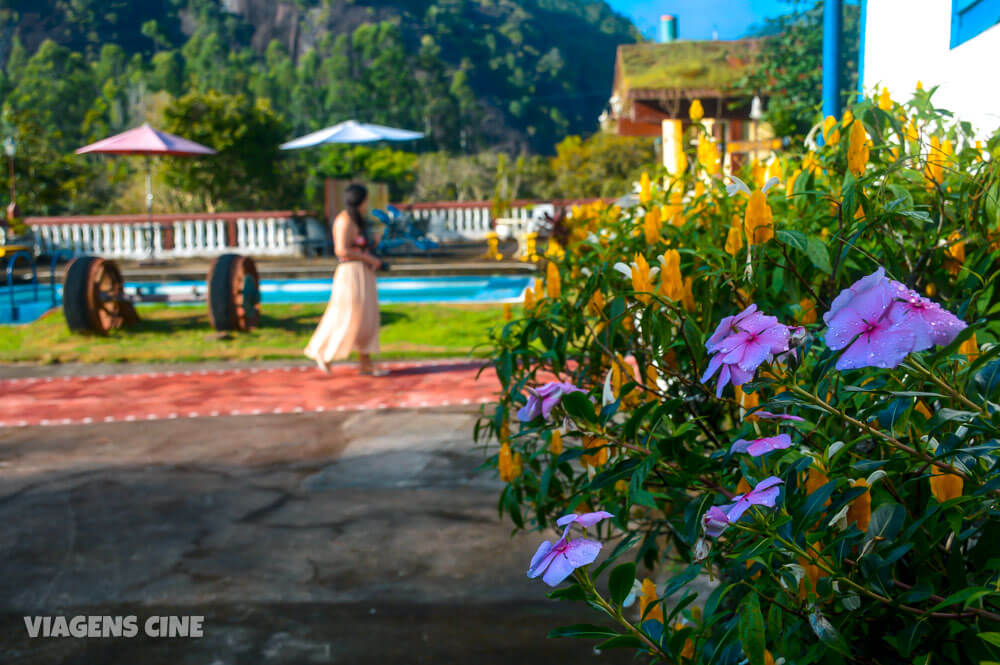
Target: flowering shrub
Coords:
[(783, 388)]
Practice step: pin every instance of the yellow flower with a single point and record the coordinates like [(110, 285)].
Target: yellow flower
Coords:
[(790, 185), (671, 282), (969, 348), (860, 510), (696, 112), (529, 299), (687, 651), (598, 458), (708, 154), (743, 486), (847, 119), (621, 486), (509, 464), (945, 486), (758, 173), (555, 444), (553, 285), (645, 189), (912, 131), (920, 85), (774, 169), (651, 226), (675, 210), (758, 222), (639, 273), (648, 597), (508, 313), (808, 308), (652, 382), (955, 253), (734, 240), (688, 298), (768, 658), (930, 289), (504, 434), (554, 250), (814, 480), (812, 571), (595, 306), (747, 402), (831, 134), (857, 149), (539, 290), (884, 100), (619, 377), (934, 170)]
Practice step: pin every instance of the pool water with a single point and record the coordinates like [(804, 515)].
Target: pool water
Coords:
[(391, 290)]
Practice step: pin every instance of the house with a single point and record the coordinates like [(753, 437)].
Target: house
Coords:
[(655, 83), (953, 44)]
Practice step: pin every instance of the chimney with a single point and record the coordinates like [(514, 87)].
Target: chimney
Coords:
[(668, 29)]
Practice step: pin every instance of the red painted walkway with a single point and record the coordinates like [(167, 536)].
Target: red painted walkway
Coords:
[(207, 393)]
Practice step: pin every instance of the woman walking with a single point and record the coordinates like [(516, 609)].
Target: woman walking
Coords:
[(351, 320)]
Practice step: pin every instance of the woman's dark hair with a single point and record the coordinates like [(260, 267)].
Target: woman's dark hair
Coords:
[(354, 196)]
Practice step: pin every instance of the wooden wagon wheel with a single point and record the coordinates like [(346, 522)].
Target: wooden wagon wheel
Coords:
[(233, 293), (94, 296)]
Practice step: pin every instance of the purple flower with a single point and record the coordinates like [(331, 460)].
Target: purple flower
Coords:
[(758, 447), (555, 562), (858, 322), (715, 522), (585, 520), (767, 415), (543, 399), (931, 324), (717, 518), (740, 344)]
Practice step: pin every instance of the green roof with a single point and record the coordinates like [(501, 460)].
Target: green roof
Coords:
[(713, 65)]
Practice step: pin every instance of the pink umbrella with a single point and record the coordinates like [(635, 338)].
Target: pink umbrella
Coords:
[(146, 141)]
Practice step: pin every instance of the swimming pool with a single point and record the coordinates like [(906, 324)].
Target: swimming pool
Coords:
[(456, 289)]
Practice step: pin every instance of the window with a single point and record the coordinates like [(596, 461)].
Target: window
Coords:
[(971, 17)]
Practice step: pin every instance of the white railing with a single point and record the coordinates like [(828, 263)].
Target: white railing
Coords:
[(270, 233), (472, 220)]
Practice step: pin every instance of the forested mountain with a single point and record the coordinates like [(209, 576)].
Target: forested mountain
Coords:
[(511, 74)]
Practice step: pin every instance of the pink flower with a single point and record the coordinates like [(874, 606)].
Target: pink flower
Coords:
[(758, 447), (858, 323), (931, 324), (557, 561), (767, 415), (543, 399), (740, 344), (717, 518), (585, 520)]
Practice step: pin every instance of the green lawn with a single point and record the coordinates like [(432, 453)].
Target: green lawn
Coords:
[(183, 334)]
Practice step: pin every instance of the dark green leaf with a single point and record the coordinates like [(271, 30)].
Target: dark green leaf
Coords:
[(620, 582)]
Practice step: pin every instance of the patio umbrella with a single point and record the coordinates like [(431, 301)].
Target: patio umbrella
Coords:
[(352, 131), (146, 141)]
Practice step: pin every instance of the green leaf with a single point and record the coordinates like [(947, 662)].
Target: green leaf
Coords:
[(620, 471), (818, 253), (966, 596), (991, 638), (583, 631), (620, 582), (622, 642), (752, 629), (579, 406), (795, 239), (886, 522)]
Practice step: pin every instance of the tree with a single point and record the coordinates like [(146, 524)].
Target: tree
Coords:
[(602, 165), (248, 170), (790, 69)]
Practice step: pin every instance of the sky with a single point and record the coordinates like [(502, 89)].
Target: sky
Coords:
[(701, 19)]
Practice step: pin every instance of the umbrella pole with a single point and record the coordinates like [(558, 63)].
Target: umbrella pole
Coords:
[(149, 205)]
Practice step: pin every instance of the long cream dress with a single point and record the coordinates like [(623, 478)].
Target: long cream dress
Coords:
[(351, 320)]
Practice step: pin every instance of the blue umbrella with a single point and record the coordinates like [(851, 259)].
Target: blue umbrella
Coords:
[(351, 131)]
